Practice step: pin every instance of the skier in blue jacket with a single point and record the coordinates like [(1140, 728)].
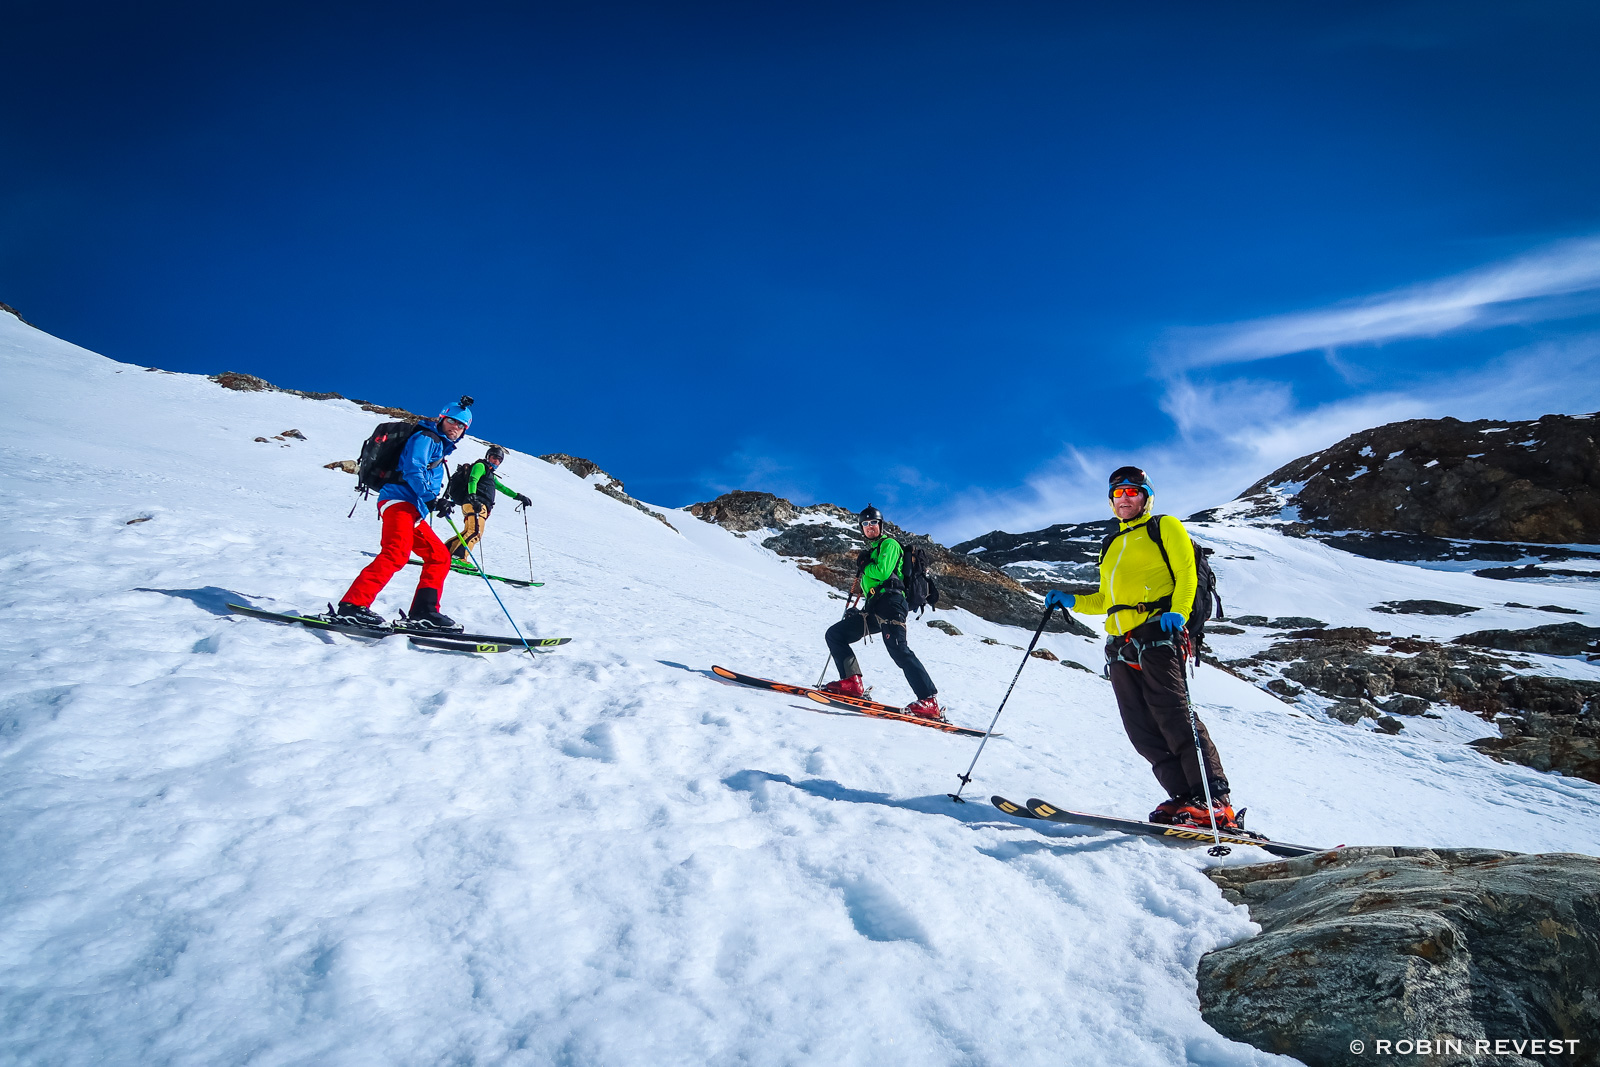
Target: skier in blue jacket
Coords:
[(403, 506)]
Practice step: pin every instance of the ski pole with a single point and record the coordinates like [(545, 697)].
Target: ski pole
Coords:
[(822, 675), (526, 540), (485, 576), (1217, 848), (966, 779)]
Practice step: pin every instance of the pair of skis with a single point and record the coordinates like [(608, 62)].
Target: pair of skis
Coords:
[(1182, 836), (840, 701), (439, 639)]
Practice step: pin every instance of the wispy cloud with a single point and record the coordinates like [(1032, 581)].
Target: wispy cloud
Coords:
[(1535, 287), (1226, 432)]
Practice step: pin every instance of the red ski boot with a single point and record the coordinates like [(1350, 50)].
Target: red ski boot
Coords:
[(927, 708), (1194, 813), (849, 687)]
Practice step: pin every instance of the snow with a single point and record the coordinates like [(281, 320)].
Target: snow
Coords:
[(230, 841)]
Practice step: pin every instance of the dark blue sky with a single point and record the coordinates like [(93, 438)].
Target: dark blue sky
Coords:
[(952, 258)]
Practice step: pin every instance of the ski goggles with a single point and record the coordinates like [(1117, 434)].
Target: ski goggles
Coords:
[(1125, 490)]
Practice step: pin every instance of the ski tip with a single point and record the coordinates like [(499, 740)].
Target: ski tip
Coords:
[(723, 672), (1011, 808), (1040, 808)]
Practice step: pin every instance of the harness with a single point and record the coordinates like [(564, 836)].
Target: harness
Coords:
[(1117, 646)]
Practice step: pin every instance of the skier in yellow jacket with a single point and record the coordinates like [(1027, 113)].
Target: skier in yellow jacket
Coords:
[(1147, 596)]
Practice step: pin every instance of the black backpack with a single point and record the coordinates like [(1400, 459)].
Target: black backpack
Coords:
[(919, 588), (1205, 588), (457, 487), (379, 464)]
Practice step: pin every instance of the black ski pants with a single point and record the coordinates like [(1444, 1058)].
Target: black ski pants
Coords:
[(885, 614), (1154, 700)]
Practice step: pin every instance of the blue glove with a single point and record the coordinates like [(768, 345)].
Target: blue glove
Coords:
[(1172, 622), (1057, 599)]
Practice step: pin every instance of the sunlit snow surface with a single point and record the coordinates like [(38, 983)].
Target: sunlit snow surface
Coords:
[(232, 842)]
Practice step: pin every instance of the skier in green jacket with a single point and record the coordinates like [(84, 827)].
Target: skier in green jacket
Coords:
[(884, 611), (473, 487)]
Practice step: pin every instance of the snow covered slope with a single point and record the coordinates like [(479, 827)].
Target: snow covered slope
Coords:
[(227, 841)]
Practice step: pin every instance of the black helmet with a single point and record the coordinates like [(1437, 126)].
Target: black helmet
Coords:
[(869, 514), (1129, 476), (495, 452)]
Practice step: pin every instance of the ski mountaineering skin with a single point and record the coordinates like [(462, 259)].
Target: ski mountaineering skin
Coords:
[(1149, 576)]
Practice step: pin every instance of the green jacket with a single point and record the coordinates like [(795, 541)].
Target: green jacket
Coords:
[(479, 469), (884, 564)]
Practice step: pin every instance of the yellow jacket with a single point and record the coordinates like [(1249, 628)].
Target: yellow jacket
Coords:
[(1133, 573)]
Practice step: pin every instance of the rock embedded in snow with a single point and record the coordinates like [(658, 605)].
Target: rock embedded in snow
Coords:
[(1402, 943), (605, 483), (940, 624), (1557, 639), (1423, 607)]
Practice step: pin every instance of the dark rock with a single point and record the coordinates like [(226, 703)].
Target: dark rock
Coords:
[(13, 311), (1577, 757), (1351, 712), (1045, 654), (1250, 620), (1557, 608), (1286, 689), (262, 440), (1296, 622), (940, 624), (611, 487), (1533, 571), (1222, 628), (1066, 542), (249, 383), (1389, 724), (1536, 481), (349, 466), (1423, 607), (1075, 665), (1403, 704), (1557, 639), (296, 434), (1367, 943)]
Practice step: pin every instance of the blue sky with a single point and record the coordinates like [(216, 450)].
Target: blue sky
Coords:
[(955, 259)]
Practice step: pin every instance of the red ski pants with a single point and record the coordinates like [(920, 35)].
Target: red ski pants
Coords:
[(404, 532)]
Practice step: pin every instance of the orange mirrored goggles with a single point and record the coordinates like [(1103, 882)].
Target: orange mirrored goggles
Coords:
[(1125, 490)]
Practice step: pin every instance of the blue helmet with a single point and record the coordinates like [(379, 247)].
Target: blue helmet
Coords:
[(461, 411)]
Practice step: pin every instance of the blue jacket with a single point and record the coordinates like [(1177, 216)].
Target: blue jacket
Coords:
[(422, 467)]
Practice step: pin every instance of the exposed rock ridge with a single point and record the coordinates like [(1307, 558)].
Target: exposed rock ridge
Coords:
[(249, 383), (18, 314), (611, 487), (1534, 481)]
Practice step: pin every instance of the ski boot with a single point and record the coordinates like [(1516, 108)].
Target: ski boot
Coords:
[(927, 708), (358, 615), (426, 616), (1194, 813), (1168, 808), (848, 687)]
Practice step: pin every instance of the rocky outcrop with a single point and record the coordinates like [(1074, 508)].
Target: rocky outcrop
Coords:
[(1455, 946), (249, 383), (1546, 723), (13, 311), (823, 541), (604, 483), (1562, 639), (1536, 481)]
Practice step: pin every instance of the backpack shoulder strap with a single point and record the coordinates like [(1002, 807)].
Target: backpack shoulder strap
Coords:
[(1153, 528)]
